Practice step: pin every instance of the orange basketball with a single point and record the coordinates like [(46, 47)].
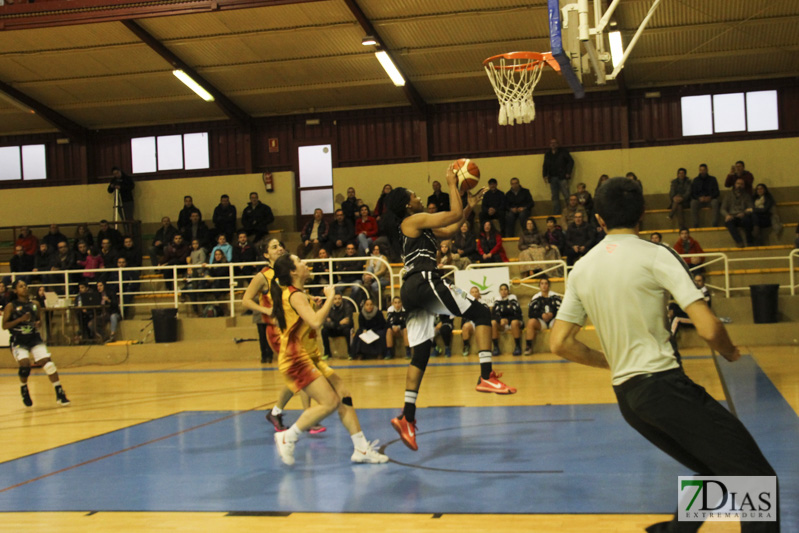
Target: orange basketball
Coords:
[(468, 174)]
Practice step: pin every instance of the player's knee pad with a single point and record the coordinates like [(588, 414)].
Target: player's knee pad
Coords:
[(421, 354), (479, 314), (347, 400), (49, 368), (24, 371)]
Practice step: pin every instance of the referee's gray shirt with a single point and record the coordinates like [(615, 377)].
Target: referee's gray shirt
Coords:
[(622, 284)]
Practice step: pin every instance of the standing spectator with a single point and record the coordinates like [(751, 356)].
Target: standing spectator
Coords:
[(440, 199), (123, 280), (112, 234), (243, 252), (379, 206), (256, 218), (490, 245), (377, 270), (224, 218), (506, 314), (184, 217), (123, 183), (680, 196), (763, 211), (82, 233), (165, 234), (519, 204), (365, 231), (736, 208), (28, 241), (579, 239), (351, 275), (338, 324), (688, 245), (465, 243), (87, 302), (342, 233), (705, 193), (573, 207), (223, 246), (554, 235), (541, 312), (350, 206), (314, 235), (738, 171), (370, 319), (197, 229), (396, 319), (493, 205), (21, 262), (53, 237), (558, 166)]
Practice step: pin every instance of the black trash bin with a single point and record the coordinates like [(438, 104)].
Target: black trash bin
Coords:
[(764, 303), (165, 325)]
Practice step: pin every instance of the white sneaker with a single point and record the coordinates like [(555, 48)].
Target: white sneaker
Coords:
[(285, 449), (370, 455)]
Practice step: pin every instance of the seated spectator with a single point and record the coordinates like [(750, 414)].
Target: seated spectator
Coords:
[(445, 257), (632, 176), (64, 260), (736, 208), (468, 326), (763, 211), (256, 218), (678, 317), (28, 241), (705, 193), (110, 233), (580, 238), (82, 233), (443, 329), (541, 312), (184, 217), (432, 208), (350, 207), (377, 269), (224, 218), (351, 276), (493, 207), (21, 262), (679, 196), (43, 261), (108, 254), (688, 245), (131, 254), (342, 233), (224, 247), (174, 254), (438, 198), (338, 324), (370, 319), (195, 276), (506, 314), (41, 299), (243, 253), (313, 236), (91, 262), (88, 313), (217, 279), (53, 237), (197, 229), (5, 295), (738, 171), (571, 209), (531, 246), (490, 245), (465, 243), (519, 205), (165, 234), (321, 274), (365, 231), (602, 179), (110, 311), (379, 206), (395, 319), (81, 252), (796, 242), (656, 237), (554, 235), (584, 199)]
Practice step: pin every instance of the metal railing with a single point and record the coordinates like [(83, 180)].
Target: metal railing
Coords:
[(716, 258), (791, 258)]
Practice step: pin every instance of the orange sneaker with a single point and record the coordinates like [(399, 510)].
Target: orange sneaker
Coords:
[(493, 384), (407, 432)]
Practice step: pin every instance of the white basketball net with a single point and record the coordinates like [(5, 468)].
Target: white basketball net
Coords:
[(513, 81)]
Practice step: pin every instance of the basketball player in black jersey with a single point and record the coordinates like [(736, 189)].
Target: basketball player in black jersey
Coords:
[(425, 294), (21, 318)]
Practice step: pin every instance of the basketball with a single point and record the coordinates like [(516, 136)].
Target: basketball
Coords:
[(468, 174)]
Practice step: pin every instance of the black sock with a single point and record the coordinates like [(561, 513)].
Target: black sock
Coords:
[(529, 343), (466, 346), (518, 342), (485, 370), (409, 412), (496, 343)]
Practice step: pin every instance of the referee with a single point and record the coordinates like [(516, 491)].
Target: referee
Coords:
[(622, 284)]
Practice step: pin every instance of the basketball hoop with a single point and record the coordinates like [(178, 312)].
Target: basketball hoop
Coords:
[(514, 76)]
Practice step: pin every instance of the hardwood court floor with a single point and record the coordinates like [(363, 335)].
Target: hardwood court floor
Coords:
[(110, 398)]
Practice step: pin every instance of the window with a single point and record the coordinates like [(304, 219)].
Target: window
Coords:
[(721, 113), (26, 163), (316, 178), (170, 152)]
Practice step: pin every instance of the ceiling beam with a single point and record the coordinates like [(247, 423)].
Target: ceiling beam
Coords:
[(228, 107), (410, 91), (54, 118)]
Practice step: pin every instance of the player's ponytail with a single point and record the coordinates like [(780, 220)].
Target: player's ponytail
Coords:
[(283, 267), (395, 209)]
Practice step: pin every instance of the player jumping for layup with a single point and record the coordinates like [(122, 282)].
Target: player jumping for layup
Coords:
[(425, 294)]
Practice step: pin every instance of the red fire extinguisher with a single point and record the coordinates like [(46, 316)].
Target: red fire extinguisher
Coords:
[(269, 182)]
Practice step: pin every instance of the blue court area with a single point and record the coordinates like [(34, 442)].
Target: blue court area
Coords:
[(546, 459)]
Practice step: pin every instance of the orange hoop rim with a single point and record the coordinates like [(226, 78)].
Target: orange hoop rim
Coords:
[(533, 60)]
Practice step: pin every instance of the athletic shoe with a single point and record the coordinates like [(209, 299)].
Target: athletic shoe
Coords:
[(517, 351), (407, 432), (26, 396), (315, 430), (284, 449), (448, 352), (387, 357), (528, 351), (466, 352), (493, 384), (61, 397), (276, 420), (370, 455), (325, 357), (495, 351)]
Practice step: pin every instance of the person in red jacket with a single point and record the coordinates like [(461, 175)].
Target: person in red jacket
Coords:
[(365, 230), (28, 241), (688, 245), (489, 246)]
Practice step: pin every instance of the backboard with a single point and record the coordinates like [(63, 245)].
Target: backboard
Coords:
[(566, 47)]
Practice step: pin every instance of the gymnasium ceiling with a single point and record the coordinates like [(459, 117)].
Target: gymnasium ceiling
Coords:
[(98, 64)]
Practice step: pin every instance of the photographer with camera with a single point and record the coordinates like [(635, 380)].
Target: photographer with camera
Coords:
[(121, 187)]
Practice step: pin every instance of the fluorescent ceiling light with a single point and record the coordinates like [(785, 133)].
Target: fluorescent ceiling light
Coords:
[(16, 103), (193, 85), (390, 69), (616, 48), (369, 41)]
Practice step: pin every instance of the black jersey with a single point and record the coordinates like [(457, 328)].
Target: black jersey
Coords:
[(419, 253), (541, 304), (25, 333)]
